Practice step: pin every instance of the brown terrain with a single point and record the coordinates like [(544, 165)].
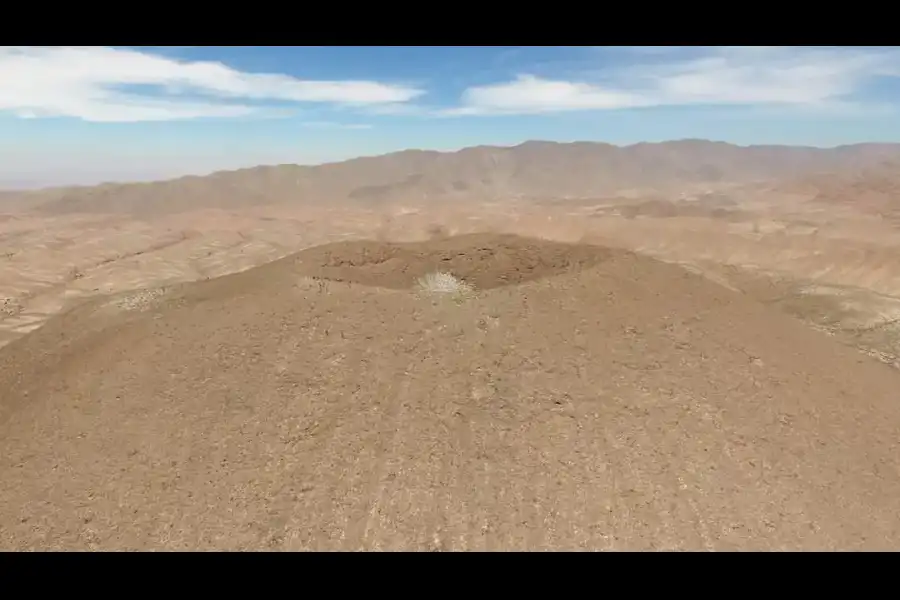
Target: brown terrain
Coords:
[(688, 345)]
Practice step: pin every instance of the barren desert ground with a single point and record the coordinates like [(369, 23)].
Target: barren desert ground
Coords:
[(686, 345)]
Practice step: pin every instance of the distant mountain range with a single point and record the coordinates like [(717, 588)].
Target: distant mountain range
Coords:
[(533, 169)]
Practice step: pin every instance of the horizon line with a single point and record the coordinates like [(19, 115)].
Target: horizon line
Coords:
[(164, 179)]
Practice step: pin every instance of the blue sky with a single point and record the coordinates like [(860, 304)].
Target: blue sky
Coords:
[(89, 114)]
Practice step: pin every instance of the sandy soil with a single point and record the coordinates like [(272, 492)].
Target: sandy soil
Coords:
[(607, 402), (732, 385)]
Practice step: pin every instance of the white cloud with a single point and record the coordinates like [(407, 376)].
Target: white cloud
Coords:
[(758, 75), (90, 83), (529, 94)]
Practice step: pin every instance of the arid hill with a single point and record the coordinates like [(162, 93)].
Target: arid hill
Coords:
[(581, 398), (485, 173), (872, 189)]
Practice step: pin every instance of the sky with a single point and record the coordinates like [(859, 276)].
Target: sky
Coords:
[(86, 114)]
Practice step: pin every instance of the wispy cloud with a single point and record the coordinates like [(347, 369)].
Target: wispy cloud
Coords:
[(668, 76), (116, 85)]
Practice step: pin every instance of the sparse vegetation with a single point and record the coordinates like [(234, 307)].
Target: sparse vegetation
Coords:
[(444, 283), (140, 299), (9, 307), (313, 283)]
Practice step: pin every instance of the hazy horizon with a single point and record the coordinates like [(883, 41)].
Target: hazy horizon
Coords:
[(85, 115)]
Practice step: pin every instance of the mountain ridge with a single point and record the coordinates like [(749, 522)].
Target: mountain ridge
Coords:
[(532, 169)]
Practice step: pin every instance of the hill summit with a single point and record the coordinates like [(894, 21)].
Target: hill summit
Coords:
[(563, 397)]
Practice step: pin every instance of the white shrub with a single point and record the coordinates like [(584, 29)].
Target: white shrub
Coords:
[(444, 283), (140, 299)]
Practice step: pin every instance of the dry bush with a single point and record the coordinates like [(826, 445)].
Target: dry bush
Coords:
[(140, 300), (314, 284), (9, 307), (444, 283)]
